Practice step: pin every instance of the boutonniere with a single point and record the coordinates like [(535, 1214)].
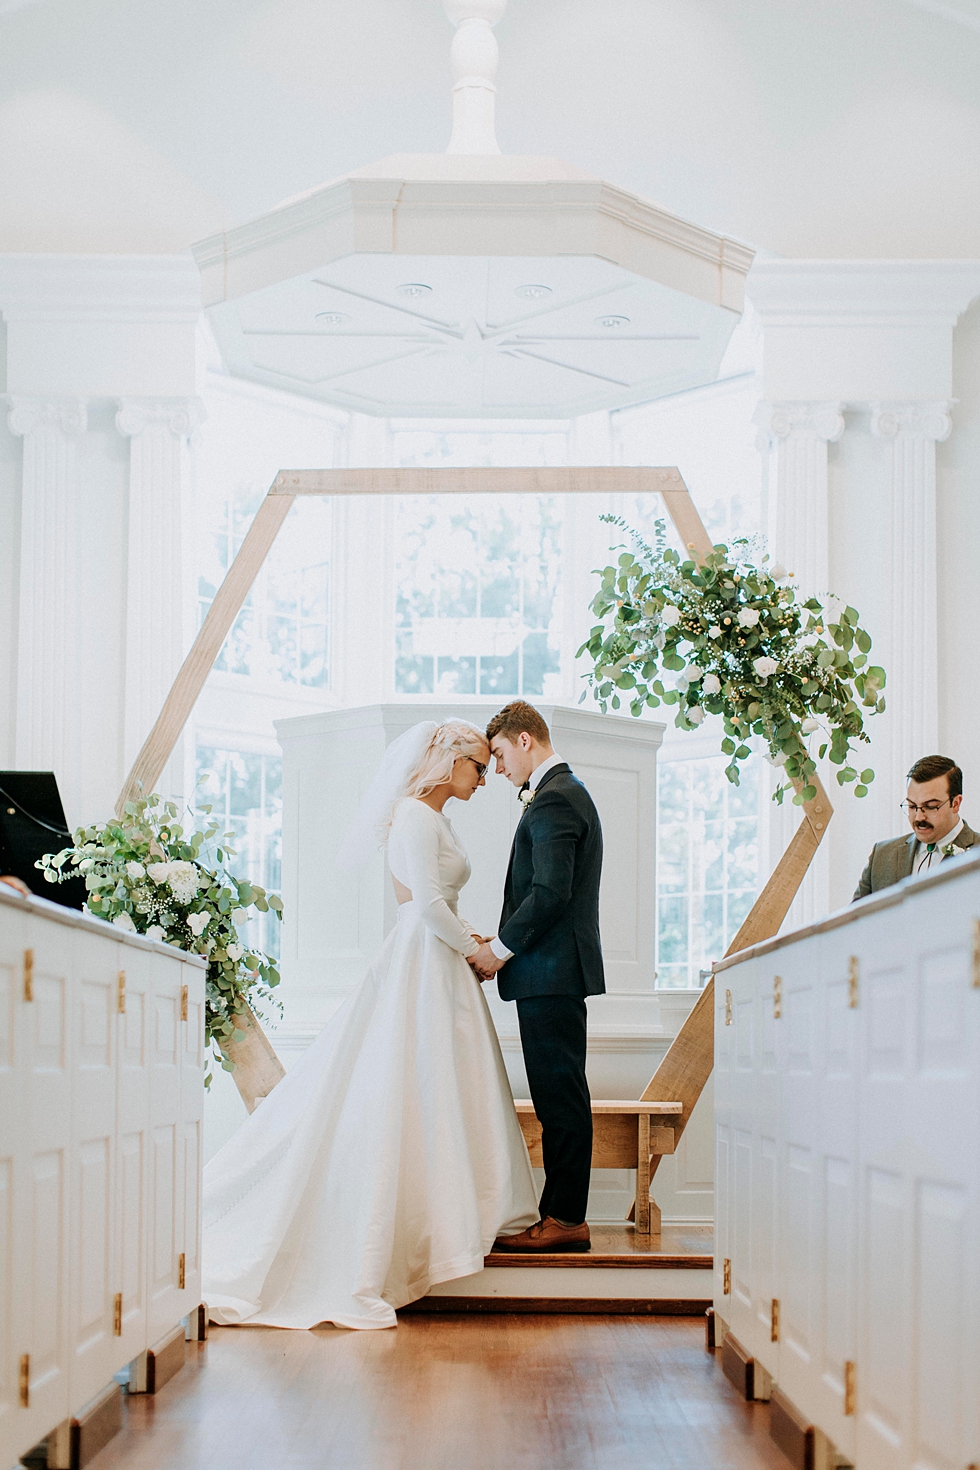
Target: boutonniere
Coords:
[(525, 798), (949, 850)]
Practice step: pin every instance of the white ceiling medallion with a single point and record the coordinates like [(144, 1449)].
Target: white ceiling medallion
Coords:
[(428, 271)]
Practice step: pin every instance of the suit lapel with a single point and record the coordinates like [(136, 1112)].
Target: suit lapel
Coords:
[(910, 842)]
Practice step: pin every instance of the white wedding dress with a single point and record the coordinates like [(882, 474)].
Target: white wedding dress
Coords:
[(390, 1155)]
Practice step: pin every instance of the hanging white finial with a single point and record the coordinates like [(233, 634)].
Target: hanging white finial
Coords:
[(474, 58)]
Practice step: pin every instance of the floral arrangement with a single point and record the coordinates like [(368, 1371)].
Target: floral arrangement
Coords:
[(148, 876), (770, 665)]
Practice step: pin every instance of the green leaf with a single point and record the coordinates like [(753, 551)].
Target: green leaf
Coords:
[(860, 791), (867, 776)]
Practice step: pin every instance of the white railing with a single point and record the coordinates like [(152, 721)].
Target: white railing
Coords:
[(101, 1071), (847, 1111)]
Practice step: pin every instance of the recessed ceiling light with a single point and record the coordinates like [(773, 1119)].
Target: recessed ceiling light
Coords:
[(333, 318), (612, 321), (532, 293), (413, 288)]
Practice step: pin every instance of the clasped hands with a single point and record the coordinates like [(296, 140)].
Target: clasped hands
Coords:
[(485, 962)]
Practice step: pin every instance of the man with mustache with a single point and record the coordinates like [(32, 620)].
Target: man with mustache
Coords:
[(933, 800)]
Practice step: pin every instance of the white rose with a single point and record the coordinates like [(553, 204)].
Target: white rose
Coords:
[(197, 923), (159, 872), (694, 673), (670, 616), (808, 726), (712, 684), (683, 681), (239, 917), (779, 759), (182, 880), (124, 921), (155, 932), (235, 951), (695, 714), (765, 667), (136, 870), (748, 617)]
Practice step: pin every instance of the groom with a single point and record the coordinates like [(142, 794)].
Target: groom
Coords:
[(550, 959)]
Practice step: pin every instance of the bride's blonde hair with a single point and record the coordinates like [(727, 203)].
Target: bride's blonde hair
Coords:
[(453, 741)]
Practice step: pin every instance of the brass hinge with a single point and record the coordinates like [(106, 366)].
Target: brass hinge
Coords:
[(121, 992), (181, 1271), (28, 974), (976, 954), (777, 996), (728, 1007), (850, 1388), (726, 1277), (183, 1002), (117, 1314), (853, 982), (774, 1321), (24, 1380)]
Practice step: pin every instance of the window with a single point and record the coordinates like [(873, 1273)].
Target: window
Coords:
[(282, 630), (244, 791), (476, 594), (707, 863)]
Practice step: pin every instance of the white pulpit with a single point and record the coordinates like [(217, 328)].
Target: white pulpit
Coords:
[(335, 921)]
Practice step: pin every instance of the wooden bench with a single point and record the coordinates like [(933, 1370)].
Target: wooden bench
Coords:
[(626, 1136)]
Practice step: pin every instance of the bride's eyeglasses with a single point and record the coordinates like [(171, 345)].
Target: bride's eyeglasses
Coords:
[(481, 768)]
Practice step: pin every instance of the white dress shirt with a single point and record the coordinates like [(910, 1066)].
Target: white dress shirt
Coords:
[(499, 948), (924, 859)]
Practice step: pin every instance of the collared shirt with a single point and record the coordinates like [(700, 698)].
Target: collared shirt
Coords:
[(925, 859), (499, 948)]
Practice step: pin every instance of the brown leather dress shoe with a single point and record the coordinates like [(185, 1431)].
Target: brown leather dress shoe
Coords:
[(547, 1237)]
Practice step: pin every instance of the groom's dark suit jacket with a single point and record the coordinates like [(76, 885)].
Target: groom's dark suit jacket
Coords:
[(550, 917)]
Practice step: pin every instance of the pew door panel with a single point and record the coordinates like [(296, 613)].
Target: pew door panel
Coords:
[(95, 995), (14, 1170), (165, 1141), (191, 1128), (133, 1146)]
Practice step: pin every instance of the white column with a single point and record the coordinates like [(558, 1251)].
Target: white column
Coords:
[(910, 432), (474, 58), (159, 594), (50, 615), (798, 434)]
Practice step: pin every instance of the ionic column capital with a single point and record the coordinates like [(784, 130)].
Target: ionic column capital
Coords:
[(801, 420), (28, 414), (922, 419), (179, 416)]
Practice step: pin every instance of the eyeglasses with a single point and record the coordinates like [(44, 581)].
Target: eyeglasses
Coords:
[(481, 768), (929, 807)]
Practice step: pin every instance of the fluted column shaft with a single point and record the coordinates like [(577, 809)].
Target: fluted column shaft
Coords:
[(158, 590), (910, 432), (50, 626), (797, 435), (798, 509)]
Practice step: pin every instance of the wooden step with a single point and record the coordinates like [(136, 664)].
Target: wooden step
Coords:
[(621, 1275)]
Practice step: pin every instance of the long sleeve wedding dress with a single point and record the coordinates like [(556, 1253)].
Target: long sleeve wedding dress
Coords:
[(390, 1155)]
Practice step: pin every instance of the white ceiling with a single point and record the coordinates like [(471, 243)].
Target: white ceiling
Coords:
[(805, 127)]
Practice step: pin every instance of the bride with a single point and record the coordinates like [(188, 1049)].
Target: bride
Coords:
[(389, 1156)]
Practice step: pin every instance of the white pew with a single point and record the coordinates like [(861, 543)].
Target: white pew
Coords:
[(101, 1097), (847, 1111)]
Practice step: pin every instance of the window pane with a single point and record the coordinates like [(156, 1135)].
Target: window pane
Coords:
[(244, 791), (707, 863)]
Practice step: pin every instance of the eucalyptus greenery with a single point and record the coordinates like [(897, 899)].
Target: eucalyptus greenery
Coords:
[(741, 646), (148, 876)]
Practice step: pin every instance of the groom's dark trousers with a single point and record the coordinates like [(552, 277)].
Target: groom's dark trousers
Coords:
[(550, 921)]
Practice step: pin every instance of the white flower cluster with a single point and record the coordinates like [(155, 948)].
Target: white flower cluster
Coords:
[(182, 878)]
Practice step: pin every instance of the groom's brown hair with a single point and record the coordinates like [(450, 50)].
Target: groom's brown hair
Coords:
[(517, 718)]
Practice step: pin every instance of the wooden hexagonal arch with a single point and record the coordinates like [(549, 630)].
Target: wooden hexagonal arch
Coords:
[(687, 1065)]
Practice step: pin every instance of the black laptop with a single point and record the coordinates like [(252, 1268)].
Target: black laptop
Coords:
[(32, 822)]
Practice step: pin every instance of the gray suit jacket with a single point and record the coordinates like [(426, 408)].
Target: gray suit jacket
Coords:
[(892, 861)]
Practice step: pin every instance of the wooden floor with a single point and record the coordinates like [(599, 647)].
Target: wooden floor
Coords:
[(450, 1393)]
